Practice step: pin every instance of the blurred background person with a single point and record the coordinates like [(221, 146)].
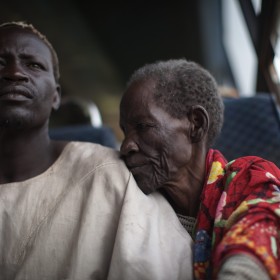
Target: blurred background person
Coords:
[(80, 120)]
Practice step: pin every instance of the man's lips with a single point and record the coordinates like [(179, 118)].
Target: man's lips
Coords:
[(15, 95)]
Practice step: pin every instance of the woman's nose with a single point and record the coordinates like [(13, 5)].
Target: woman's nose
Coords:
[(128, 146)]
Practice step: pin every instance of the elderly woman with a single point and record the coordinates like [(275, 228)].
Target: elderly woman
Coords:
[(170, 114)]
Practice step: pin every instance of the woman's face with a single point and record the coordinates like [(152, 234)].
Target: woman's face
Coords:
[(156, 147)]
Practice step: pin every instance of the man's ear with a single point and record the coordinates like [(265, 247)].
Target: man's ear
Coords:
[(199, 120), (57, 98)]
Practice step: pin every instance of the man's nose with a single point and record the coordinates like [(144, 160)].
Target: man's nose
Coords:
[(14, 72), (128, 146)]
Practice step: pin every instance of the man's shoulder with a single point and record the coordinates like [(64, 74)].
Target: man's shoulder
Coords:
[(87, 149), (85, 155)]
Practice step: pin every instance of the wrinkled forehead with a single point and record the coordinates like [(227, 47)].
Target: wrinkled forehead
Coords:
[(140, 92), (22, 40)]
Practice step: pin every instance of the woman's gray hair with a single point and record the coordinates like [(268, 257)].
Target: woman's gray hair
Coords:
[(180, 84)]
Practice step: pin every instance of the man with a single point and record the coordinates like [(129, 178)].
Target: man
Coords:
[(70, 210)]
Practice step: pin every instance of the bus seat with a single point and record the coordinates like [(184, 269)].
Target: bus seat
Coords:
[(251, 127), (86, 133)]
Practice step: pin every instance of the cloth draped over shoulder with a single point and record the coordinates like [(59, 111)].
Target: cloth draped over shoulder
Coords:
[(239, 213), (85, 218)]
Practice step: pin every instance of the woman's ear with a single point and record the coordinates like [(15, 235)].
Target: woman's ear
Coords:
[(57, 97), (199, 120)]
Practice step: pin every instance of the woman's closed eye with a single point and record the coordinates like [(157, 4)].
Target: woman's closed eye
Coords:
[(143, 126)]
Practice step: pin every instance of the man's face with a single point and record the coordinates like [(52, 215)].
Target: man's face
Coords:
[(156, 146), (28, 90)]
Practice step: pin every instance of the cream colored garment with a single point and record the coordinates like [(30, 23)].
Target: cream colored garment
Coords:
[(85, 218)]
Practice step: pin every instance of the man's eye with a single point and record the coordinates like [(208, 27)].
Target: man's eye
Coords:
[(35, 65)]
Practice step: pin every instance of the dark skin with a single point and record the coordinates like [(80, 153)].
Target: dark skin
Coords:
[(28, 93), (162, 152)]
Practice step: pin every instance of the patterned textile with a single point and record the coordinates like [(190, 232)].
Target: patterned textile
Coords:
[(239, 213), (187, 222)]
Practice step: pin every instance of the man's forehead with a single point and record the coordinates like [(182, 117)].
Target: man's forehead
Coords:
[(21, 38), (14, 29)]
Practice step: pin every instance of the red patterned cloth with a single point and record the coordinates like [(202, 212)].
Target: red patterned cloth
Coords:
[(239, 213)]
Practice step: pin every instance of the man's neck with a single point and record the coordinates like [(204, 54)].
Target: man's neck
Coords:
[(25, 156)]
